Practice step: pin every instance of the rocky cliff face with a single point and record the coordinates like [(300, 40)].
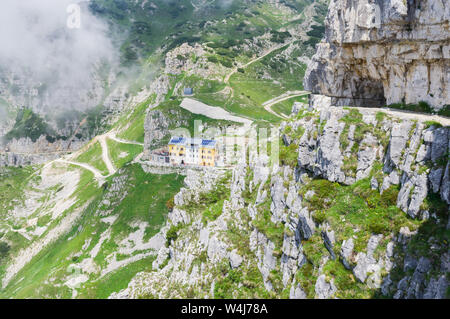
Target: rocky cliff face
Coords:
[(350, 143), (379, 52), (15, 159), (358, 208), (24, 151)]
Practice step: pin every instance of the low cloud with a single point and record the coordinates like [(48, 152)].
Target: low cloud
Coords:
[(39, 49)]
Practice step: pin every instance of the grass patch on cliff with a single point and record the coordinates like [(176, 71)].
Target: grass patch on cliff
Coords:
[(306, 276), (289, 154), (433, 236), (263, 222), (361, 130), (347, 285), (210, 203), (245, 282), (131, 125), (422, 107)]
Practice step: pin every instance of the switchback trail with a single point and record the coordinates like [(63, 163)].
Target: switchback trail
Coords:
[(286, 96)]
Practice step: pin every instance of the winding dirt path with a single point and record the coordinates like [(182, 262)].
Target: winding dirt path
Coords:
[(235, 69), (286, 96), (101, 139), (113, 137), (410, 115), (228, 76), (97, 174), (105, 155)]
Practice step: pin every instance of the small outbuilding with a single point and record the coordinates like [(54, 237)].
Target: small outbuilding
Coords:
[(188, 91)]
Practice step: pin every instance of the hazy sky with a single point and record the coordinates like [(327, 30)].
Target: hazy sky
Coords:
[(34, 36)]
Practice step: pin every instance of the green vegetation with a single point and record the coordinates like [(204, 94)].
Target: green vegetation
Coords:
[(172, 233), (285, 107), (31, 281), (121, 153), (213, 211), (422, 107), (142, 200), (12, 185), (347, 285), (147, 201), (253, 88), (116, 281), (433, 236), (28, 124), (181, 118), (4, 250), (432, 123), (361, 208), (246, 282), (131, 125), (358, 211), (263, 223), (289, 154), (144, 28), (307, 277), (210, 203), (354, 117), (93, 157), (132, 200)]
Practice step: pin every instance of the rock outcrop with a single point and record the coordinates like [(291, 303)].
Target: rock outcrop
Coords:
[(23, 151), (378, 52), (267, 238), (14, 159), (414, 154)]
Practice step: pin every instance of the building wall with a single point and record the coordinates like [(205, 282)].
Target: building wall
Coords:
[(202, 156), (207, 157)]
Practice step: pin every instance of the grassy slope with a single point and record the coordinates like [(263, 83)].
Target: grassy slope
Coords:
[(13, 182), (121, 154), (93, 157), (145, 203), (285, 107), (251, 89), (131, 125)]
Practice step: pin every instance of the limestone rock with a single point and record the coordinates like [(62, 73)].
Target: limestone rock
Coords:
[(235, 259), (324, 289), (346, 252), (297, 292), (383, 52)]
